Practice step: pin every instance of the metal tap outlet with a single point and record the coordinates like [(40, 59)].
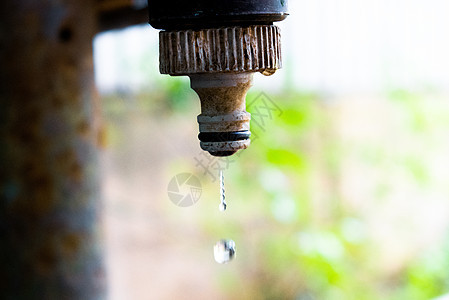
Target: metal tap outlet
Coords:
[(224, 123), (219, 45)]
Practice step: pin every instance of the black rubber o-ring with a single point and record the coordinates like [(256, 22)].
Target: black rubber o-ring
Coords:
[(210, 137)]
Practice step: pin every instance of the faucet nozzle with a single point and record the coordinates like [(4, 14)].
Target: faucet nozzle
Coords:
[(220, 63)]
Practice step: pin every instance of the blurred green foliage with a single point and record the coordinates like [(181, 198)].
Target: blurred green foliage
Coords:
[(297, 238)]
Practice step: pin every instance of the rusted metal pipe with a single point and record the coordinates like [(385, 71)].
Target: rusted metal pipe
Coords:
[(48, 177)]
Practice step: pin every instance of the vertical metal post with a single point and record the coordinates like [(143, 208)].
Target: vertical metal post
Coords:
[(48, 177)]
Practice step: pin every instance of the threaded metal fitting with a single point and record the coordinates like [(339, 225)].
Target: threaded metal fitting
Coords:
[(227, 49)]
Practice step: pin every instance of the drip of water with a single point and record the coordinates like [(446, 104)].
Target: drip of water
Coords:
[(224, 251), (223, 205)]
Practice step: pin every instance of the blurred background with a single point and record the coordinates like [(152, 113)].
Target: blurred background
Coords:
[(343, 193)]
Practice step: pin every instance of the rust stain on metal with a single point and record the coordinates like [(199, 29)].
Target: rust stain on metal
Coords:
[(228, 49), (71, 243), (216, 101)]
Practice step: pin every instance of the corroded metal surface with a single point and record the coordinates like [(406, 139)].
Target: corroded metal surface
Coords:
[(227, 49), (220, 63), (48, 179), (223, 109)]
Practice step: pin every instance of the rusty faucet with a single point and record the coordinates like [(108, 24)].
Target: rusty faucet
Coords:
[(219, 45)]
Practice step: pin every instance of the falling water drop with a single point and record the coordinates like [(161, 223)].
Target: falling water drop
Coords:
[(223, 205), (224, 251)]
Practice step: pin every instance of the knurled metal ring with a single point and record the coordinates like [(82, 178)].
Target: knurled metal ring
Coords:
[(227, 49)]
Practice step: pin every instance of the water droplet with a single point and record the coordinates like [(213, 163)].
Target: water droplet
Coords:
[(224, 251), (222, 207), (223, 204)]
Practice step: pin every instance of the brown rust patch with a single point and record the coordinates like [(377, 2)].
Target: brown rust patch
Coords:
[(83, 128), (70, 243), (37, 195), (76, 172), (223, 100), (46, 259), (68, 163)]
